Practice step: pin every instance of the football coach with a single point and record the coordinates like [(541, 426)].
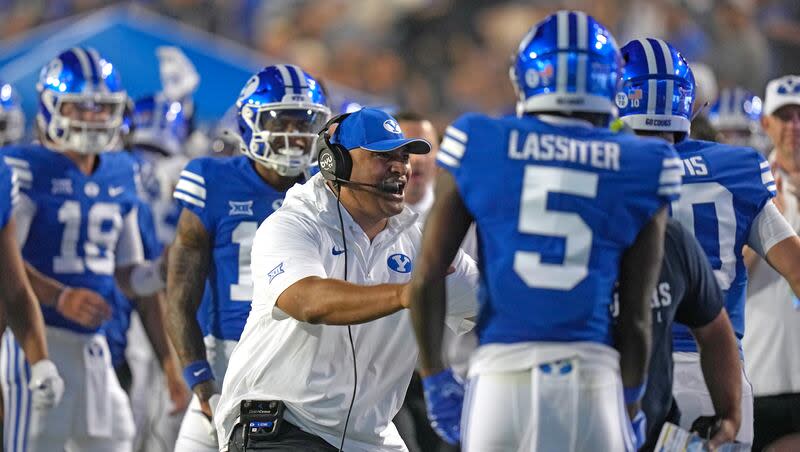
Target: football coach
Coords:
[(328, 350)]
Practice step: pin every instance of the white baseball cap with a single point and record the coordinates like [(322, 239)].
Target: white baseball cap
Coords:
[(782, 91)]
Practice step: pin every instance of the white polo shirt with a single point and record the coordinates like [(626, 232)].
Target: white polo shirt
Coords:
[(770, 344), (310, 367)]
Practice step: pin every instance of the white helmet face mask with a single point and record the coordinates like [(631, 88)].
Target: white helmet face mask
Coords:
[(284, 135), (87, 124)]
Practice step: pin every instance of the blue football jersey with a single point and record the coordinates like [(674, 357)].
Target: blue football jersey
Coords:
[(555, 207), (8, 194), (231, 200), (77, 219), (724, 189)]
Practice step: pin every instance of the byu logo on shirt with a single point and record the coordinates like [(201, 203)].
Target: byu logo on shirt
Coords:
[(399, 263), (241, 207)]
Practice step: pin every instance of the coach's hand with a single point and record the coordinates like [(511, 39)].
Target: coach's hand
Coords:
[(444, 398), (46, 385), (83, 306)]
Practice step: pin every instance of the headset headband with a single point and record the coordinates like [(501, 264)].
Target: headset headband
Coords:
[(335, 120)]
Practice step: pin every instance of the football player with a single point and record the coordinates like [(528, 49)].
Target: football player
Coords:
[(12, 118), (159, 131), (736, 115), (563, 207), (18, 305), (280, 111), (725, 202), (77, 226)]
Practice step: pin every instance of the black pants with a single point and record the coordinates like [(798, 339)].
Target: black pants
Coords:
[(774, 417), (290, 438)]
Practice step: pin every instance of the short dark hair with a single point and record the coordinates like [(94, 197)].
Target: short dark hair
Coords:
[(409, 115)]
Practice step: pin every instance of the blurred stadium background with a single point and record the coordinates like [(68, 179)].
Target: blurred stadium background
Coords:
[(438, 57)]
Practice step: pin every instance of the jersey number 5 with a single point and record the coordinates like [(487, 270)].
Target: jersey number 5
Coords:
[(535, 218)]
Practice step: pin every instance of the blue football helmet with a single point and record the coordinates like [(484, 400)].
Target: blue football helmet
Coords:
[(735, 109), (12, 119), (568, 62), (81, 102), (160, 125), (280, 111), (736, 115), (658, 87)]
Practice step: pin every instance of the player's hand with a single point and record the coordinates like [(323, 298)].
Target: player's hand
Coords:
[(639, 426), (208, 408), (726, 433), (83, 306), (716, 429), (46, 385), (444, 398), (178, 393)]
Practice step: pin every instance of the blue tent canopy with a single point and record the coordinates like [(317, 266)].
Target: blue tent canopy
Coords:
[(128, 37)]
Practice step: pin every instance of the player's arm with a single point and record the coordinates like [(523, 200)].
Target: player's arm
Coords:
[(19, 301), (773, 238), (187, 270), (445, 228), (152, 312), (719, 359), (83, 306), (702, 309), (639, 270)]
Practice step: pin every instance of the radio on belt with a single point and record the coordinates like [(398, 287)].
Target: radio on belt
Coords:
[(261, 418)]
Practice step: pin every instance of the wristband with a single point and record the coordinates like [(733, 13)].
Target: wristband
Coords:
[(146, 278), (635, 394), (197, 372)]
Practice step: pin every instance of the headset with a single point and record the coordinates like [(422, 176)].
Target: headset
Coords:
[(335, 162)]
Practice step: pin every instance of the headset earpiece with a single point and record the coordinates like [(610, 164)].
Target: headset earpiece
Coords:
[(334, 160)]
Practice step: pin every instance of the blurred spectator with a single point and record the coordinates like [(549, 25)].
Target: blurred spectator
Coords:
[(741, 54), (442, 57), (780, 22)]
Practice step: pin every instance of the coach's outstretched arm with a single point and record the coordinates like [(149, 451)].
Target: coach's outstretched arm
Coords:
[(639, 269), (187, 269), (336, 302)]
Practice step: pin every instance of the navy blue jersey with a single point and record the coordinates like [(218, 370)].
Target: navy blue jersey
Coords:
[(555, 207), (724, 190), (79, 225), (117, 328), (231, 200), (8, 194), (687, 292)]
